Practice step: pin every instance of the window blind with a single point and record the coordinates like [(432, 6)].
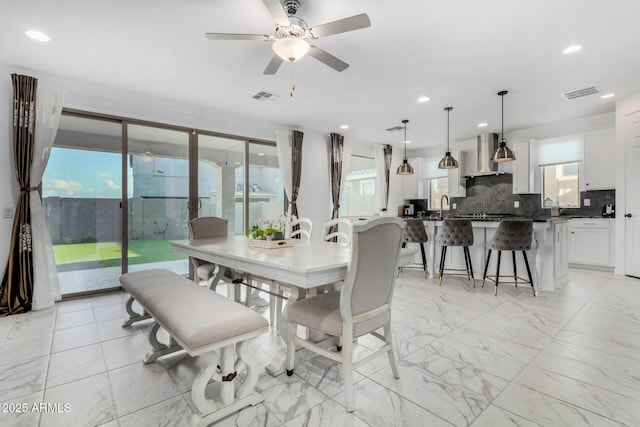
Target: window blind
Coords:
[(564, 149), (432, 168)]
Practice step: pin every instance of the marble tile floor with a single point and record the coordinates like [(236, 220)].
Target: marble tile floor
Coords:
[(565, 358)]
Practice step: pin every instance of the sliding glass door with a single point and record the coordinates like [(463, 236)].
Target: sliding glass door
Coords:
[(158, 177), (220, 180), (81, 194), (157, 197)]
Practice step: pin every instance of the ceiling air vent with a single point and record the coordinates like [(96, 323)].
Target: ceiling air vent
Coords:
[(394, 128), (263, 96), (579, 93)]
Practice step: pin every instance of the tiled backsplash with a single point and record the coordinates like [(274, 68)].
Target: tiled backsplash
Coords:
[(493, 194)]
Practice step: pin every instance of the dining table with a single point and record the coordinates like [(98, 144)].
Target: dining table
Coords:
[(301, 268)]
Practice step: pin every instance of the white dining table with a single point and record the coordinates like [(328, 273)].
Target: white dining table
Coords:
[(302, 267)]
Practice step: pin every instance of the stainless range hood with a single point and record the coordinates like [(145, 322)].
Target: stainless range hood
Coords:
[(487, 145)]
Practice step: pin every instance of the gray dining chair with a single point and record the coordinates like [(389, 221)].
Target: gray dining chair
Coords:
[(206, 227), (361, 308), (511, 235)]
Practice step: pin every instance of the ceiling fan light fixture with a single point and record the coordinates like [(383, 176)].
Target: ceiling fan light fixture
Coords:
[(448, 161), (405, 168), (503, 153), (291, 49)]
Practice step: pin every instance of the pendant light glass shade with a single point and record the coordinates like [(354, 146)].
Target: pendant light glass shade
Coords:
[(448, 161), (503, 153), (405, 168)]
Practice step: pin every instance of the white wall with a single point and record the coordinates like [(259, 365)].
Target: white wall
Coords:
[(8, 185)]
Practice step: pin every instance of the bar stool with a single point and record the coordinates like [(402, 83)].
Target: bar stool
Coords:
[(456, 232), (512, 235), (415, 232)]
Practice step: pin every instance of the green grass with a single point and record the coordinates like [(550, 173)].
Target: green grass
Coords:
[(107, 254)]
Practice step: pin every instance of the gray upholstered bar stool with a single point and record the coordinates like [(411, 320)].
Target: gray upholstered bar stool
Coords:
[(456, 232), (415, 232), (512, 235)]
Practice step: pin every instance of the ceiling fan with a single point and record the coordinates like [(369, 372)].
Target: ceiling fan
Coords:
[(292, 35)]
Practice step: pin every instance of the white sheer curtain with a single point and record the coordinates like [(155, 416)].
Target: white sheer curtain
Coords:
[(347, 148), (283, 148), (381, 181), (46, 287)]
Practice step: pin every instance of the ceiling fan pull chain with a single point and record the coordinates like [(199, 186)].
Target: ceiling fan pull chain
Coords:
[(293, 87)]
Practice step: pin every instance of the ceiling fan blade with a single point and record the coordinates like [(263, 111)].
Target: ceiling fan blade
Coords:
[(231, 36), (341, 26), (328, 59), (273, 65), (277, 12)]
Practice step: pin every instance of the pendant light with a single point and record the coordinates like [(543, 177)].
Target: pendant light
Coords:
[(448, 161), (503, 153), (405, 168)]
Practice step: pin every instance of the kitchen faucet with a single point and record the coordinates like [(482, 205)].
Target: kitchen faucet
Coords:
[(444, 196)]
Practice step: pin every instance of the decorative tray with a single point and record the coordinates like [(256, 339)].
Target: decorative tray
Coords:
[(270, 244)]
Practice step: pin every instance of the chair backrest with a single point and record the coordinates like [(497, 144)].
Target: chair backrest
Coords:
[(338, 229), (455, 232), (415, 232), (513, 235), (371, 274), (207, 227), (305, 225)]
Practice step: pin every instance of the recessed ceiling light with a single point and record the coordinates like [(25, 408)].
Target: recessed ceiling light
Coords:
[(344, 126), (37, 35), (237, 163), (481, 125), (423, 99), (572, 49), (407, 141), (260, 154), (608, 95)]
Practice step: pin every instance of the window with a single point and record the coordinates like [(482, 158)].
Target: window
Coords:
[(438, 182), (359, 195), (560, 184), (559, 160), (438, 187)]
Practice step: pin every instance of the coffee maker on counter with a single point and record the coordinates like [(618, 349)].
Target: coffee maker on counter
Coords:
[(608, 211)]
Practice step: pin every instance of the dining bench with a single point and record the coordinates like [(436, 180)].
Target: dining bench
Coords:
[(214, 330)]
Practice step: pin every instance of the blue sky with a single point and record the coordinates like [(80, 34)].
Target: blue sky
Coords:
[(82, 173)]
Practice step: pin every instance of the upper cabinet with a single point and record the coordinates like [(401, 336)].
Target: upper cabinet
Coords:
[(598, 173), (413, 185), (521, 169), (457, 184)]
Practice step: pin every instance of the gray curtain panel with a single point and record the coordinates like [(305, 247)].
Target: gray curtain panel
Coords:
[(335, 162), (296, 171), (16, 291), (387, 168)]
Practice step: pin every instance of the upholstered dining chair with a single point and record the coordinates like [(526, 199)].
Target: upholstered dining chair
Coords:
[(415, 232), (456, 232), (203, 228), (362, 307), (305, 225), (512, 235), (342, 234)]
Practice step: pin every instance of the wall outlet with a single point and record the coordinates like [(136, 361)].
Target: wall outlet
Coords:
[(454, 206), (516, 203), (587, 202), (7, 212)]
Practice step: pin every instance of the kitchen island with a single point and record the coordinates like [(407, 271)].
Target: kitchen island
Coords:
[(549, 250)]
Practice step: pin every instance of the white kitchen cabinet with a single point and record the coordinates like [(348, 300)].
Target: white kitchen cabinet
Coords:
[(560, 250), (413, 185), (521, 169), (457, 184), (598, 174), (591, 243)]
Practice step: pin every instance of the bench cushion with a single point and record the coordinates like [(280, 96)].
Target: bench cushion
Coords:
[(195, 315)]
